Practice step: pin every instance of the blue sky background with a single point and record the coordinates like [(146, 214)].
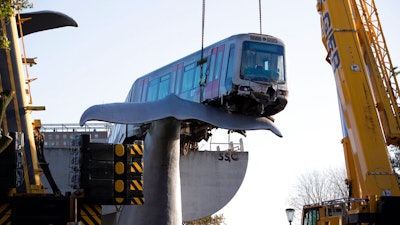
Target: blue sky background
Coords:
[(119, 41)]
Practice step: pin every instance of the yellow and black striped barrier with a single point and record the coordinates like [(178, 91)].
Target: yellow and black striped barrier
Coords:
[(136, 167), (128, 181), (136, 149), (5, 214), (90, 214), (112, 174), (137, 201)]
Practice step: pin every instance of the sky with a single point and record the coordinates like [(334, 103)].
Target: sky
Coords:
[(118, 41)]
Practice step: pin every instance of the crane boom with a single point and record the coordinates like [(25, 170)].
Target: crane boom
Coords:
[(368, 94), (17, 117), (109, 175), (382, 75)]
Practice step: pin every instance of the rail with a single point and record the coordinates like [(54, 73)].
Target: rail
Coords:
[(75, 127)]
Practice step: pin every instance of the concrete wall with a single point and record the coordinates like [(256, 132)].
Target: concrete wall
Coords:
[(209, 179), (59, 163)]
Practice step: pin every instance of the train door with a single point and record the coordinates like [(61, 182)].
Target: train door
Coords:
[(176, 77), (214, 75), (144, 92), (229, 68)]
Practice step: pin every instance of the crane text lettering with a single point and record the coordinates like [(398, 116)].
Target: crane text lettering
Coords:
[(330, 41)]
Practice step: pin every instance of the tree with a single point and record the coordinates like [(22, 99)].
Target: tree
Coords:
[(317, 186), (394, 153), (7, 9), (209, 220)]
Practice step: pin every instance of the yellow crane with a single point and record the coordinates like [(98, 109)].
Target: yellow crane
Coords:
[(368, 94)]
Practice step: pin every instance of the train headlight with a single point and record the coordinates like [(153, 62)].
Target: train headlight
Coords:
[(244, 88), (282, 92)]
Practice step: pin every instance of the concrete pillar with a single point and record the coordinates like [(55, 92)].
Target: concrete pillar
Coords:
[(161, 178)]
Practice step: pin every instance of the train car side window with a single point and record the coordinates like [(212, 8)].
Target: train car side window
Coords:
[(197, 76), (198, 73), (153, 89), (163, 89), (188, 77), (144, 93), (139, 90), (130, 94), (172, 82), (178, 77)]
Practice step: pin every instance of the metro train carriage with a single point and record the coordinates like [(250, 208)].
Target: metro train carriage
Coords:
[(244, 74)]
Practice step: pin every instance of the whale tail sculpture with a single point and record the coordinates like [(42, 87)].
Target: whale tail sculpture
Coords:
[(172, 180)]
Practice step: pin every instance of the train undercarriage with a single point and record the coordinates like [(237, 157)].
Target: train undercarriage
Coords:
[(194, 131)]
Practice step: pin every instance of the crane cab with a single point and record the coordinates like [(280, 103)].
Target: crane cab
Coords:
[(331, 212)]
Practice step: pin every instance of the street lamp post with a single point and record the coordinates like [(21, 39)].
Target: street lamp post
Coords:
[(289, 214)]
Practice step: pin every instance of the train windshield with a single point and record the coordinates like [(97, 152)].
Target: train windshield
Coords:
[(262, 62)]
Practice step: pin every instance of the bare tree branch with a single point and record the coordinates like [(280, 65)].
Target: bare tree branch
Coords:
[(317, 186)]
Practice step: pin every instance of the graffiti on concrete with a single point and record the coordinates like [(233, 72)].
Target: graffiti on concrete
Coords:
[(228, 156)]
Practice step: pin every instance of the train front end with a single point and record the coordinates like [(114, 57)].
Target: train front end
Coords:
[(259, 81)]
